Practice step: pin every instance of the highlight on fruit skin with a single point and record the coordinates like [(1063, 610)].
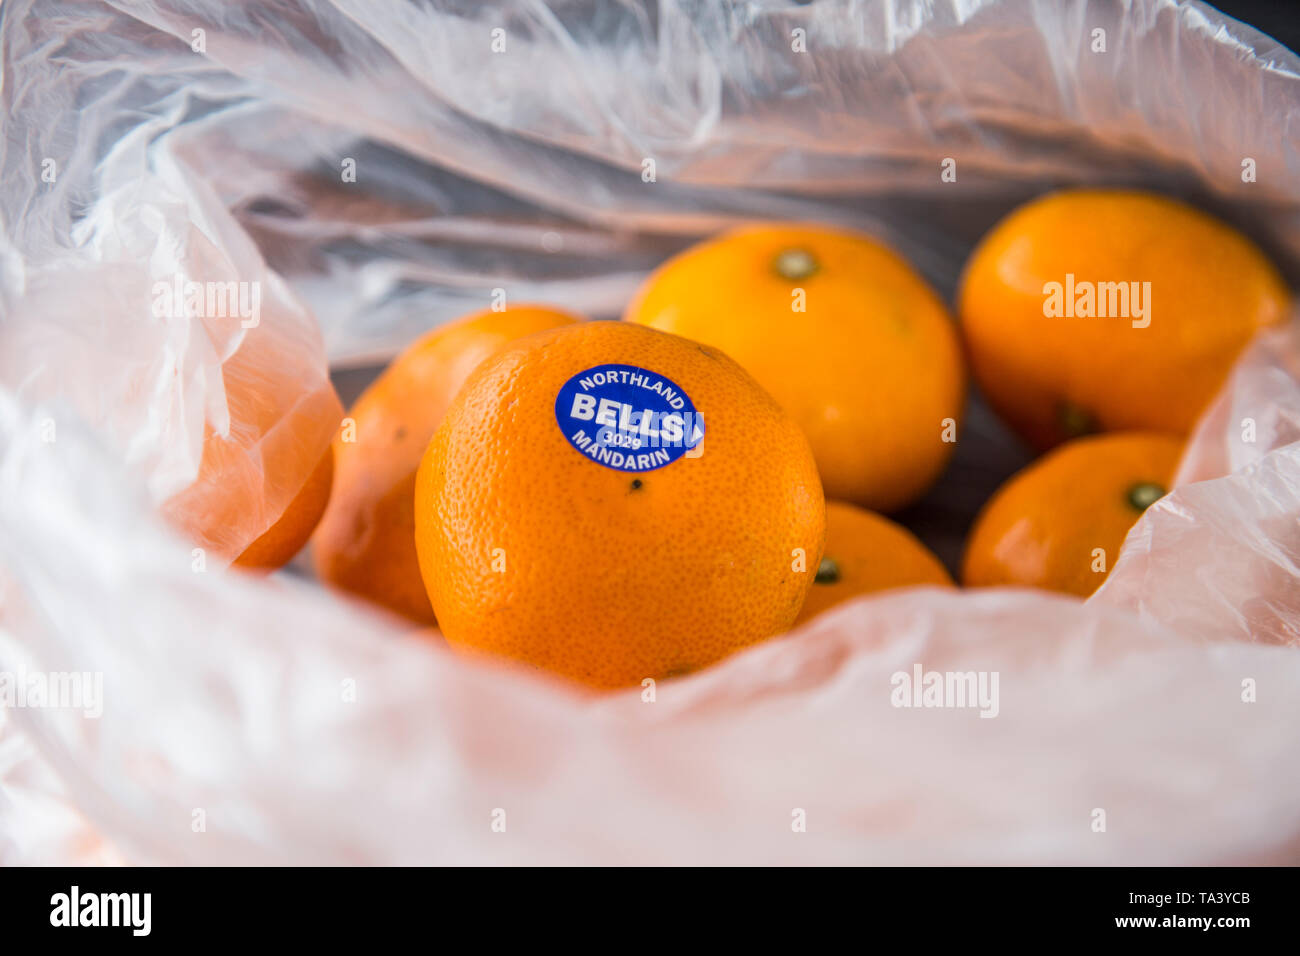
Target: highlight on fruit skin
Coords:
[(365, 543), (536, 546), (1097, 310), (1059, 524), (842, 332), (867, 553)]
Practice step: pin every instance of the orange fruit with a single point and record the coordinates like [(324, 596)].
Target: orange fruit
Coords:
[(865, 553), (280, 542), (265, 470), (366, 541), (871, 369), (535, 543), (1057, 376), (1059, 524)]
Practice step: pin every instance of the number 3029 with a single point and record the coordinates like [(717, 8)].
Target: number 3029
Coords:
[(612, 438)]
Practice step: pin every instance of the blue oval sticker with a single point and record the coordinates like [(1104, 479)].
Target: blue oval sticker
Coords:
[(628, 418)]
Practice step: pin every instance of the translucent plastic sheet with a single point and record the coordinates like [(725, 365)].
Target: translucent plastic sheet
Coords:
[(252, 720)]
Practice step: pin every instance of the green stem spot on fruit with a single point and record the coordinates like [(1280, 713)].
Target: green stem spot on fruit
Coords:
[(828, 572), (1144, 494), (794, 264), (1076, 421)]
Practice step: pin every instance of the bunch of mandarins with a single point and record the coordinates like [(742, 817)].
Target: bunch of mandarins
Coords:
[(621, 500)]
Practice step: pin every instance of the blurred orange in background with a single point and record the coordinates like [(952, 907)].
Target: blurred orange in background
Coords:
[(1059, 524), (842, 332), (366, 541), (1150, 303), (866, 553)]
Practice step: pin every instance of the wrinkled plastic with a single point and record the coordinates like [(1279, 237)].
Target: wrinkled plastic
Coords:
[(265, 721)]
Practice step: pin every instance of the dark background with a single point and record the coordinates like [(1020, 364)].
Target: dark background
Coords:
[(1280, 19)]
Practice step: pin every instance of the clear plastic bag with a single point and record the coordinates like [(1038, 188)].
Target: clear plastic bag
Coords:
[(265, 720)]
